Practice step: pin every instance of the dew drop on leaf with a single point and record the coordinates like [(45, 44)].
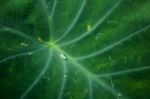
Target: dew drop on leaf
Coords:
[(39, 39), (65, 76), (30, 53), (24, 44), (62, 56), (119, 95)]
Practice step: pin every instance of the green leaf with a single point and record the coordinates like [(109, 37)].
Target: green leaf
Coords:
[(74, 49)]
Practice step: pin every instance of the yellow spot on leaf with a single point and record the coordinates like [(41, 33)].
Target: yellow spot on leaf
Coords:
[(89, 27)]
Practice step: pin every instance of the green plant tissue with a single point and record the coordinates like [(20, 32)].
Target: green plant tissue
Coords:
[(74, 49)]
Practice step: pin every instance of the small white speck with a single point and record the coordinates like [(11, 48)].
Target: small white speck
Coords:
[(39, 39), (65, 76), (63, 56), (119, 94), (29, 53), (23, 44)]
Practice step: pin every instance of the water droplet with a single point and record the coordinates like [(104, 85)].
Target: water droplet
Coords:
[(30, 53), (62, 56), (119, 94), (24, 44), (39, 39), (65, 76)]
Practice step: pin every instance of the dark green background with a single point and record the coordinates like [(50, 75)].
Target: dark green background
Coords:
[(28, 16)]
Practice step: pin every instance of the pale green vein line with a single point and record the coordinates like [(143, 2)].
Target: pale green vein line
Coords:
[(94, 27), (90, 89), (44, 8), (73, 61), (87, 73), (73, 22), (103, 84), (124, 71), (113, 45), (18, 32), (39, 76), (53, 8), (64, 80), (20, 54), (51, 18)]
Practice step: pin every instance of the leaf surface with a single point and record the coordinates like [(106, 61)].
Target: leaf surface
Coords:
[(74, 49)]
